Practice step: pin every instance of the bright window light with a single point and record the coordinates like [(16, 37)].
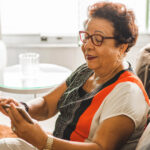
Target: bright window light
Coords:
[(55, 17)]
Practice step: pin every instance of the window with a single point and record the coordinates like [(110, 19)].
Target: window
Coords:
[(56, 18), (52, 17)]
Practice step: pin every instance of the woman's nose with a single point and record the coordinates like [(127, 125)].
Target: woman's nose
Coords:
[(89, 44)]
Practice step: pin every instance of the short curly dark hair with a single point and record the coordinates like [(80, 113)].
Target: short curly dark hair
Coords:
[(125, 29)]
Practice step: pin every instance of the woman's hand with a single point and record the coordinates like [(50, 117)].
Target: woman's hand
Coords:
[(4, 101), (31, 133)]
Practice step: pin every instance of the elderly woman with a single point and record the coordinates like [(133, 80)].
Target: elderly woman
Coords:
[(102, 105)]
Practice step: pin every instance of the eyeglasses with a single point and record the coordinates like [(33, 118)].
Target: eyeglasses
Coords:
[(96, 39)]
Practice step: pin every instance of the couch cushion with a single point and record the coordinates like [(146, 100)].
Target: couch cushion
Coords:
[(144, 142)]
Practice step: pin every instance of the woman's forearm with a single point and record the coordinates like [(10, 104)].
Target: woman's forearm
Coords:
[(46, 107), (38, 109), (70, 145)]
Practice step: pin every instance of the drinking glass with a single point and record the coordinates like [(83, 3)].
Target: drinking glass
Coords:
[(29, 63)]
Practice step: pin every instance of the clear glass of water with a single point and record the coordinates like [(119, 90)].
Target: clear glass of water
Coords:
[(29, 63)]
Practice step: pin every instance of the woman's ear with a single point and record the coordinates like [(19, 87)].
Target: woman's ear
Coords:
[(123, 48)]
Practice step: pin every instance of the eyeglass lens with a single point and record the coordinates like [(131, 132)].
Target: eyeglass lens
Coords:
[(96, 39)]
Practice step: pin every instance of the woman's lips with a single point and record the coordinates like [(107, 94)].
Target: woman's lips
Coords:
[(89, 57)]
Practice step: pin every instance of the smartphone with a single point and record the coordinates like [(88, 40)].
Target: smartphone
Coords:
[(24, 114)]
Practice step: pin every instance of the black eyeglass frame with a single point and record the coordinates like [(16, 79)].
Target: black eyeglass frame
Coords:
[(91, 37)]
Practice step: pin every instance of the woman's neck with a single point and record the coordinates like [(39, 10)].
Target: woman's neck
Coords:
[(101, 78)]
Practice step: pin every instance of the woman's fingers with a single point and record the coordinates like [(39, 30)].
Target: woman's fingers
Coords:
[(3, 111), (16, 119), (13, 124), (19, 124), (4, 101), (10, 100), (16, 115)]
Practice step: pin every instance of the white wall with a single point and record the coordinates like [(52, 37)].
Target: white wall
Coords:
[(70, 57)]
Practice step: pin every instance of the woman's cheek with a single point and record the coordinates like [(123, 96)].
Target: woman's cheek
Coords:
[(83, 49)]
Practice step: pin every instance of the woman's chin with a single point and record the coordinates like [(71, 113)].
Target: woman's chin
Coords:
[(91, 66)]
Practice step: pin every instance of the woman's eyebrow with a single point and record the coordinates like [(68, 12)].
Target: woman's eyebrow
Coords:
[(99, 31)]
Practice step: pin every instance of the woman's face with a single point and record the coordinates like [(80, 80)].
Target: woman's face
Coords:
[(106, 56)]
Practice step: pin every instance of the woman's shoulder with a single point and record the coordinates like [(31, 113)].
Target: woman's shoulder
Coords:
[(127, 99), (129, 89), (128, 86)]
